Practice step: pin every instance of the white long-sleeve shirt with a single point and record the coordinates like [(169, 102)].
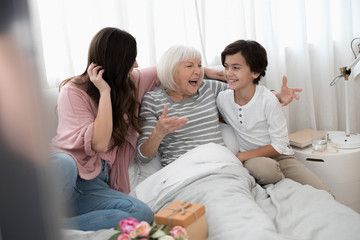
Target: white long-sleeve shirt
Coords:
[(258, 123)]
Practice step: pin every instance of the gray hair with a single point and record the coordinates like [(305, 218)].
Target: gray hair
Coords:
[(167, 64)]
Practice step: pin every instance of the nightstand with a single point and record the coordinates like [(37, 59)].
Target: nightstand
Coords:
[(340, 171)]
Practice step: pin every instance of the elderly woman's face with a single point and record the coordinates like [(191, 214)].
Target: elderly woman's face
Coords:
[(188, 77)]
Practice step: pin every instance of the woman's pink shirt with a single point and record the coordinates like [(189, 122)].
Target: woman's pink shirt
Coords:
[(77, 112)]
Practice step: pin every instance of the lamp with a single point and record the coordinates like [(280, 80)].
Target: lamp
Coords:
[(348, 140), (356, 70)]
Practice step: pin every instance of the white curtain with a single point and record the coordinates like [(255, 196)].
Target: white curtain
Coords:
[(306, 40)]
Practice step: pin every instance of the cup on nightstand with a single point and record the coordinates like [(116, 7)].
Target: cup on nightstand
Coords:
[(319, 141)]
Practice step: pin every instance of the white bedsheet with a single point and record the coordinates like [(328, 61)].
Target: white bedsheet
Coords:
[(237, 207)]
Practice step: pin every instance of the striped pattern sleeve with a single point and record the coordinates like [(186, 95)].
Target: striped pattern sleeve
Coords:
[(216, 86), (148, 111)]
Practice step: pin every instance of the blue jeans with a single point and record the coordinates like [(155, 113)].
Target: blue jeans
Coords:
[(92, 204)]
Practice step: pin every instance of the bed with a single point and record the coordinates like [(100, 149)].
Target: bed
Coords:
[(236, 206)]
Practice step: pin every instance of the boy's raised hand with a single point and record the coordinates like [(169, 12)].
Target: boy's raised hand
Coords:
[(287, 94)]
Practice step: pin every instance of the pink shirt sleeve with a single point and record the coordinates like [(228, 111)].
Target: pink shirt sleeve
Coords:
[(77, 113), (145, 80)]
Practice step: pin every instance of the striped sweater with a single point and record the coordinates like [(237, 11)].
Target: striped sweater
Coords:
[(203, 125)]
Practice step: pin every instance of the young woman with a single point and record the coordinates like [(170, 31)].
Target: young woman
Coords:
[(97, 133)]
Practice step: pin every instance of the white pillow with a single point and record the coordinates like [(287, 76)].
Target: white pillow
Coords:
[(138, 171), (146, 169)]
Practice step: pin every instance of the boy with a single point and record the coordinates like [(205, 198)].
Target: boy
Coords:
[(257, 119)]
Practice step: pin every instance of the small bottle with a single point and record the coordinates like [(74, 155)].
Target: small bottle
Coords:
[(331, 146)]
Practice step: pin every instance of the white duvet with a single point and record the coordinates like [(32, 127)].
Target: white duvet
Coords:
[(237, 207)]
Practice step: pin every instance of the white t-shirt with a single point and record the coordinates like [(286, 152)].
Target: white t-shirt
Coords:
[(258, 123)]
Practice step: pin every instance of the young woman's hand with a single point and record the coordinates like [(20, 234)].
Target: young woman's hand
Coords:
[(103, 124), (95, 73)]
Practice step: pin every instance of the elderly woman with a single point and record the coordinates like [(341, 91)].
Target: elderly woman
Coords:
[(184, 114)]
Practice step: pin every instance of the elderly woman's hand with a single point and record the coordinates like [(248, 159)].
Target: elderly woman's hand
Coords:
[(163, 126), (166, 125)]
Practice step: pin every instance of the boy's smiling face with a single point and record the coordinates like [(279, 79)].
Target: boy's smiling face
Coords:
[(237, 72)]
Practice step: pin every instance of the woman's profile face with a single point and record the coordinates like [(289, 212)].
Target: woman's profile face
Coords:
[(188, 77)]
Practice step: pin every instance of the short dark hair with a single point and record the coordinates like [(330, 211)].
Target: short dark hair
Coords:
[(253, 52)]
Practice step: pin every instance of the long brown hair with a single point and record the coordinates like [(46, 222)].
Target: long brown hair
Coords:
[(115, 50)]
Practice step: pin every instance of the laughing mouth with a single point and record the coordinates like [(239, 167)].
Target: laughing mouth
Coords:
[(193, 82)]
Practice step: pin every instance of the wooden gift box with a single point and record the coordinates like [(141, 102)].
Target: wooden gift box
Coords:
[(191, 216)]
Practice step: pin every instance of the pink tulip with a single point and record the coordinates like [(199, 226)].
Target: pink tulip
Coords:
[(143, 229), (178, 232), (128, 225), (123, 237)]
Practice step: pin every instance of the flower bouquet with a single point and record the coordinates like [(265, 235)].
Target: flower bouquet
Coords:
[(132, 229)]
